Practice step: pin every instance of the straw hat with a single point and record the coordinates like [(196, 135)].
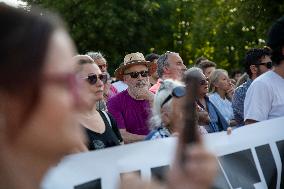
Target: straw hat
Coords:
[(131, 60)]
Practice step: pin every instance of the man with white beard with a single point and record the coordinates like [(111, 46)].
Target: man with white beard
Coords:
[(131, 108)]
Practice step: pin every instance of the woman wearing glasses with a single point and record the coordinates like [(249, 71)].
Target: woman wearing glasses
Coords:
[(38, 97), (209, 116), (101, 128), (161, 120)]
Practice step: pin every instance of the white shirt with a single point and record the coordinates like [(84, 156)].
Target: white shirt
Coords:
[(223, 105), (120, 86), (265, 97)]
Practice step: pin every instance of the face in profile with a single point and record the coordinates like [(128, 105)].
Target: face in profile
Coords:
[(208, 71), (176, 66), (101, 62), (52, 130), (223, 82), (264, 66), (203, 85)]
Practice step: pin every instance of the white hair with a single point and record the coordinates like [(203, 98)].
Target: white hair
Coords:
[(163, 92)]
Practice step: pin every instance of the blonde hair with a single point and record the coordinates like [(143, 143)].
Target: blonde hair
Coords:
[(214, 78)]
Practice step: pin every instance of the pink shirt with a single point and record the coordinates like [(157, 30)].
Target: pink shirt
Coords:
[(155, 87)]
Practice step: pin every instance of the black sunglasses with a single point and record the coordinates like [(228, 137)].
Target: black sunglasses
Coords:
[(136, 74), (92, 79), (204, 81), (267, 64), (177, 92)]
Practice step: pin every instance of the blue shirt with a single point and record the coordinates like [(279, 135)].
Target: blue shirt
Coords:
[(238, 102), (223, 105), (160, 132)]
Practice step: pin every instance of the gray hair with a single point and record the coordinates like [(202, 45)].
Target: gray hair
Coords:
[(164, 91), (192, 73), (95, 55), (214, 77), (163, 62)]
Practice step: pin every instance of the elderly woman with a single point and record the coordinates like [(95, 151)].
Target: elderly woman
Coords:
[(39, 97), (161, 113), (215, 122), (100, 127), (222, 90)]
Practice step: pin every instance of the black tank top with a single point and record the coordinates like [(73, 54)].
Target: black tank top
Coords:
[(107, 139)]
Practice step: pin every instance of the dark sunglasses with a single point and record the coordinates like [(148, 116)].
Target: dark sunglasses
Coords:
[(177, 92), (204, 81), (136, 74), (102, 66), (92, 79), (267, 64)]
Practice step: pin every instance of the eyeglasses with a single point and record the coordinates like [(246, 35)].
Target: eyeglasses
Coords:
[(136, 74), (71, 81), (204, 81), (267, 64), (177, 92), (92, 79)]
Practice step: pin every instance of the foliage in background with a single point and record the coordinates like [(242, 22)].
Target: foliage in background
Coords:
[(221, 30)]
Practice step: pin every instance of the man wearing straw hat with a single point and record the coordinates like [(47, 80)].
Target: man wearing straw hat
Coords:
[(131, 108)]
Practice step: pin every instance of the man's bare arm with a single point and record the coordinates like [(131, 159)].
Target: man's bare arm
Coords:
[(129, 137)]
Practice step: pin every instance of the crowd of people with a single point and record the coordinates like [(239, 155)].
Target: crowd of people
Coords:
[(56, 102)]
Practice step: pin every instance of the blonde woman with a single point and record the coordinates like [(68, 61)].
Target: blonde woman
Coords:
[(100, 126), (222, 91)]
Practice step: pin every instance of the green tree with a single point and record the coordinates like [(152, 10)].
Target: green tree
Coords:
[(221, 30), (116, 27)]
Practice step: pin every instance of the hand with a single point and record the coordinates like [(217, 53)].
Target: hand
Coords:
[(203, 118), (230, 93), (197, 172), (144, 93), (229, 130)]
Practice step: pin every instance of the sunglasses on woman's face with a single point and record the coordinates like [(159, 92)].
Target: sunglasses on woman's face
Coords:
[(204, 81), (136, 74), (92, 79)]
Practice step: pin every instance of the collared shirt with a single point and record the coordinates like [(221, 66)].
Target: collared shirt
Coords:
[(238, 102), (156, 87), (223, 105)]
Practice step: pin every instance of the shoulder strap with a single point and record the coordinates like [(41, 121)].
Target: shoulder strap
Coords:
[(108, 119)]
